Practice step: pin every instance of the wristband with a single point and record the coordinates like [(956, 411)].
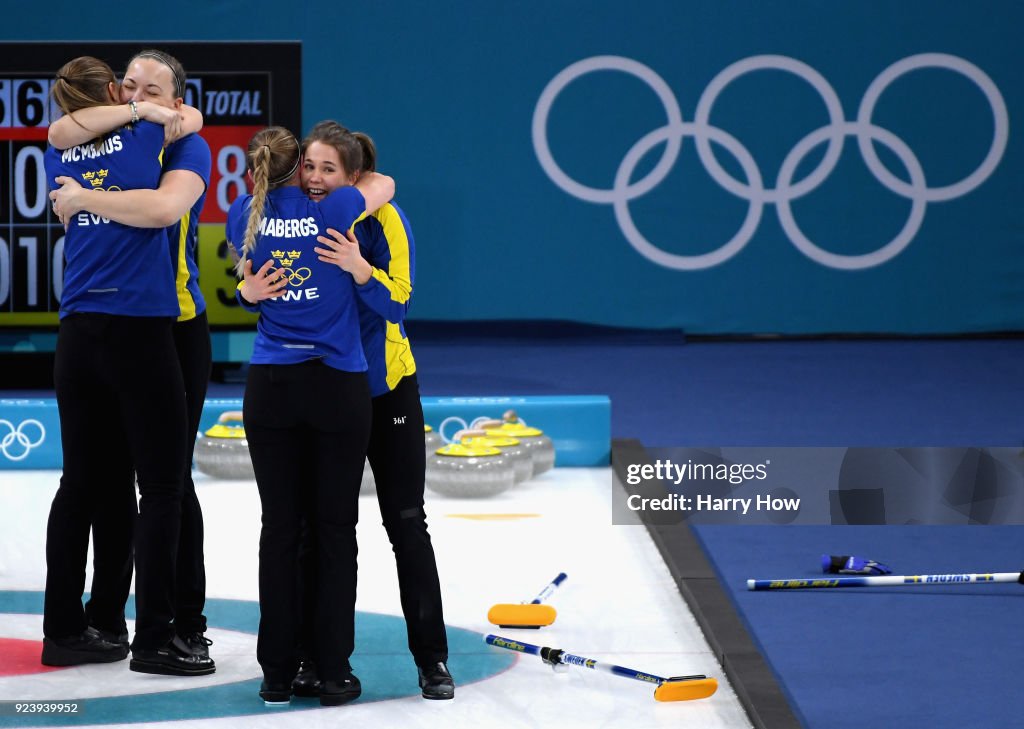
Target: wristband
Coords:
[(135, 111)]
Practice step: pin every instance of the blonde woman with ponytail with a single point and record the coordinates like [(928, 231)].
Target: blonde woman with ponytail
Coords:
[(306, 408)]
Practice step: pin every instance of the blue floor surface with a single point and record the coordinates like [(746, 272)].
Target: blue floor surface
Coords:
[(928, 657), (751, 393), (668, 392)]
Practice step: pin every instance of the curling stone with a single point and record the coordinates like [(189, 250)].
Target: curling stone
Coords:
[(511, 448), (223, 451), (469, 471), (431, 439), (540, 447)]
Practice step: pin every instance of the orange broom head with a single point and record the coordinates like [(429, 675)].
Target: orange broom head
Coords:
[(686, 690), (534, 615)]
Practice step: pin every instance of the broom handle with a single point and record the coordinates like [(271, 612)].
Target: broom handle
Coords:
[(555, 656), (546, 592), (887, 581)]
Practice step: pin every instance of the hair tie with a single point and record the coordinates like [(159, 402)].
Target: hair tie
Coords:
[(288, 175)]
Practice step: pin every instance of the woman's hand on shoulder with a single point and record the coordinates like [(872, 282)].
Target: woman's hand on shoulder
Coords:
[(170, 119)]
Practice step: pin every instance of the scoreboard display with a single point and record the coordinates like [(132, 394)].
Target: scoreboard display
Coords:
[(239, 87)]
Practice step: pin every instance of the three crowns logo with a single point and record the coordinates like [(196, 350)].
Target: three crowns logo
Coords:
[(295, 276), (286, 259), (95, 179)]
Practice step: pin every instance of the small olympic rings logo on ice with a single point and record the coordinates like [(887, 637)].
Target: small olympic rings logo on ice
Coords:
[(786, 189), (462, 425), (16, 442)]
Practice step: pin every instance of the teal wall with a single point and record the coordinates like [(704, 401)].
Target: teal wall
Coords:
[(450, 91)]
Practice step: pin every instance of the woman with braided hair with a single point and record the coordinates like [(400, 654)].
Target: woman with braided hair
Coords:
[(306, 407)]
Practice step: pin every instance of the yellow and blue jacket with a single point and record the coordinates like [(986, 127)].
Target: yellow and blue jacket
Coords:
[(386, 243), (190, 153)]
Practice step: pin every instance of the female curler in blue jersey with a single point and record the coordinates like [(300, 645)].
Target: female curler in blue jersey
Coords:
[(120, 394), (306, 407), (153, 87)]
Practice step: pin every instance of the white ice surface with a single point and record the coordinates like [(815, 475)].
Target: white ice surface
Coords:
[(619, 604)]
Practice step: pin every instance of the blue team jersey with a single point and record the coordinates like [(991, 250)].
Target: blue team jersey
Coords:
[(113, 268), (316, 316), (190, 153), (386, 243)]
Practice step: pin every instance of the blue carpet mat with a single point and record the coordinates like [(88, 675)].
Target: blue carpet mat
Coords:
[(941, 657), (667, 392)]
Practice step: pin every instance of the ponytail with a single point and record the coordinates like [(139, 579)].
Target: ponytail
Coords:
[(82, 83), (260, 177), (272, 159), (369, 152)]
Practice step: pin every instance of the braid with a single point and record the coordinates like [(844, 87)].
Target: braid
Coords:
[(272, 159), (260, 178)]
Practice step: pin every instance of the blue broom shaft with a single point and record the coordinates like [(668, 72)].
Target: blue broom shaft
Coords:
[(546, 592), (571, 659), (886, 581), (512, 645)]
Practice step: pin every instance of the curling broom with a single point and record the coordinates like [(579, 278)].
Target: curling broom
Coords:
[(527, 615), (887, 581), (677, 688)]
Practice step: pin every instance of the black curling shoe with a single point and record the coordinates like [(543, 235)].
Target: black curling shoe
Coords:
[(198, 643), (86, 647), (306, 682), (275, 694), (336, 693), (118, 637), (436, 682), (172, 659)]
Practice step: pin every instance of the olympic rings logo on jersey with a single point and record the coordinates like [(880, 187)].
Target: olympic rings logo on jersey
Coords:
[(786, 190), (16, 443), (296, 276), (286, 259)]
